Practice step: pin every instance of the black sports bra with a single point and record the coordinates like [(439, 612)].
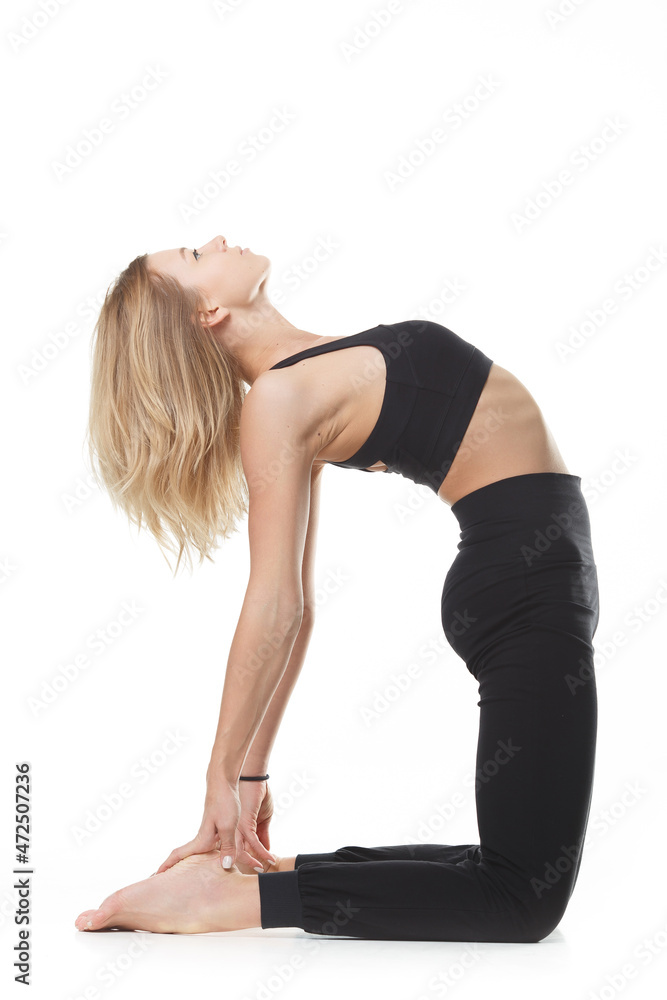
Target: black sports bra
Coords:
[(434, 380)]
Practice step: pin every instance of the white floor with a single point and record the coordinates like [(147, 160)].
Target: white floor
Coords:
[(607, 945)]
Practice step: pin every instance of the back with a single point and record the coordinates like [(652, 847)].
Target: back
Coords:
[(434, 380)]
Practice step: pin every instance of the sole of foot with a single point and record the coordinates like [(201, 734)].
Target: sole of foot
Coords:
[(194, 896)]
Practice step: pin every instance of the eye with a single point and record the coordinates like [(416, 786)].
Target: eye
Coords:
[(197, 255)]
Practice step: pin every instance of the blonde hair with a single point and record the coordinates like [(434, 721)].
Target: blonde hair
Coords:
[(164, 416)]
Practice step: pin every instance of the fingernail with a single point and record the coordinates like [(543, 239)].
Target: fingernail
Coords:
[(227, 861), (259, 870)]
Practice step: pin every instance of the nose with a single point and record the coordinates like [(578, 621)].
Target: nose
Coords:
[(217, 243)]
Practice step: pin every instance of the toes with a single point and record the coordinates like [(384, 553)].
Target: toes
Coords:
[(91, 920)]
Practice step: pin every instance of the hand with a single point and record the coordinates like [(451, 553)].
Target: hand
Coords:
[(222, 811), (256, 813)]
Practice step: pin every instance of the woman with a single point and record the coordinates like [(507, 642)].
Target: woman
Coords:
[(177, 441)]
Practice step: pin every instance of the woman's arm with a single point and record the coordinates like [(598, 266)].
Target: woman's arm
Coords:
[(269, 644), (257, 760), (279, 440), (259, 653)]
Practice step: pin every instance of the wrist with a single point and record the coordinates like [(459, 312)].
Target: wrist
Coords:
[(217, 773), (255, 765)]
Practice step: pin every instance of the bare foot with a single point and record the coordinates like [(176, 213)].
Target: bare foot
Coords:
[(194, 896)]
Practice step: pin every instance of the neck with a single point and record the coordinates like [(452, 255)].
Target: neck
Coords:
[(259, 336)]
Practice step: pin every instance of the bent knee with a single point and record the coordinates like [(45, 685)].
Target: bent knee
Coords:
[(539, 920)]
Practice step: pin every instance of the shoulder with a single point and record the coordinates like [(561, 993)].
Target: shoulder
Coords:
[(278, 427), (275, 393)]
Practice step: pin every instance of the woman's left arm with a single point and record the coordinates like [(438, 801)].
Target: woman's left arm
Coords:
[(260, 651), (277, 452), (258, 757)]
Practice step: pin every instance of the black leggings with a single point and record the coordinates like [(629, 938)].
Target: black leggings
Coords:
[(520, 607)]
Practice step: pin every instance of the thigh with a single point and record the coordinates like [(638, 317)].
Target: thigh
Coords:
[(535, 758), (523, 621)]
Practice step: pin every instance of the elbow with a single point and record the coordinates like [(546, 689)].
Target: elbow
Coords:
[(308, 612), (282, 608), (291, 615)]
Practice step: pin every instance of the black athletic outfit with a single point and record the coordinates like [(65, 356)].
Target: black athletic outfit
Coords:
[(520, 607)]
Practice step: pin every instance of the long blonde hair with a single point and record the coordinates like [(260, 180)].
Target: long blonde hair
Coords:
[(164, 416)]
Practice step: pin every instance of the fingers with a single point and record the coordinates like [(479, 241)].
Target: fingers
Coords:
[(197, 846), (229, 851), (176, 855), (257, 854), (263, 834)]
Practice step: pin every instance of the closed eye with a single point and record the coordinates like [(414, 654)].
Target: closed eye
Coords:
[(197, 255)]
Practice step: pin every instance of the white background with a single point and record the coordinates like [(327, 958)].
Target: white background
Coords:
[(361, 97)]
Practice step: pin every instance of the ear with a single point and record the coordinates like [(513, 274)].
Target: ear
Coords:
[(211, 317)]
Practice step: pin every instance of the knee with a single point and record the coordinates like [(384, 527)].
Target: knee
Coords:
[(541, 918)]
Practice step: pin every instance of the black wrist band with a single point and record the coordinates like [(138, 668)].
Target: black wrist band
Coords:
[(258, 777)]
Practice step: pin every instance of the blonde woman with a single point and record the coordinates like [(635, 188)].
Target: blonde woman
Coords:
[(183, 448)]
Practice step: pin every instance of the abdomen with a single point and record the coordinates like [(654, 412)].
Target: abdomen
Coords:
[(507, 436)]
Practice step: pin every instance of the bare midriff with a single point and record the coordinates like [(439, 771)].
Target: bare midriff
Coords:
[(507, 434)]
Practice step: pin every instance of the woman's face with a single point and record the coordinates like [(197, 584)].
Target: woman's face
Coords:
[(227, 277)]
